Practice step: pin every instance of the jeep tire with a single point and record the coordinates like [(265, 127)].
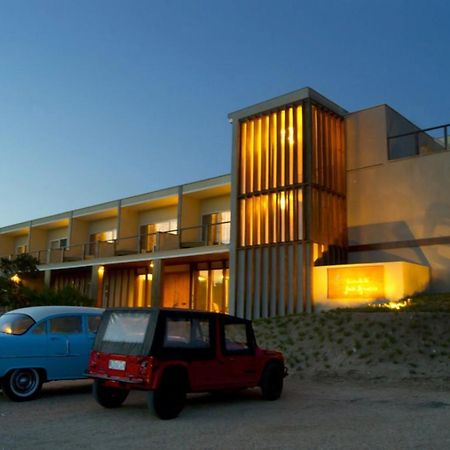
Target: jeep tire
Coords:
[(272, 381), (168, 400), (108, 397)]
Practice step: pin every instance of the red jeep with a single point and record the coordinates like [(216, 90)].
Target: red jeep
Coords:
[(171, 352)]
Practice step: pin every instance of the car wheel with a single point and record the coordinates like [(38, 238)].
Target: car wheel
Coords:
[(272, 381), (22, 384), (108, 397), (168, 400)]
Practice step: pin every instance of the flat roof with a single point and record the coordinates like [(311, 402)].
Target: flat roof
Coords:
[(286, 99)]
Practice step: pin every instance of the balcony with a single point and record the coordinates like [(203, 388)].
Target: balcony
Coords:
[(419, 142), (189, 237)]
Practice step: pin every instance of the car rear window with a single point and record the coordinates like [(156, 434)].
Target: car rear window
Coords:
[(14, 323), (125, 332), (127, 327)]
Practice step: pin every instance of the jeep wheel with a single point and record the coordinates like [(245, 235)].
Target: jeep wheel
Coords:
[(272, 381), (108, 397), (169, 399), (22, 384)]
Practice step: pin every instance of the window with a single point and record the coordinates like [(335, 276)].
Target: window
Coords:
[(93, 323), (21, 249), (13, 323), (127, 327), (236, 338), (40, 329), (58, 243), (105, 236), (148, 239), (66, 325), (216, 228), (187, 333)]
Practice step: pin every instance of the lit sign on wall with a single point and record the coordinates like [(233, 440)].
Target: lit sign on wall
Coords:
[(356, 282)]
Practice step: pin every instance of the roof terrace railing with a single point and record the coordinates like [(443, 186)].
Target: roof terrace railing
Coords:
[(419, 142), (188, 237)]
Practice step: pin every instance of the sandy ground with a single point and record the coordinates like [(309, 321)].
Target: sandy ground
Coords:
[(311, 415)]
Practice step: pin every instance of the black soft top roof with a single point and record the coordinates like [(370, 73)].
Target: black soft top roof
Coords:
[(178, 311)]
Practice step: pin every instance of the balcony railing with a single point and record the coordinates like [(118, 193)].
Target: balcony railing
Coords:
[(196, 236), (419, 142)]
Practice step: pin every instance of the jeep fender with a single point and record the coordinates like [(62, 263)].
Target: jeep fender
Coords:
[(174, 369)]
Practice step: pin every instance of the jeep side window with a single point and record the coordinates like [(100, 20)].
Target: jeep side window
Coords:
[(236, 339), (186, 333)]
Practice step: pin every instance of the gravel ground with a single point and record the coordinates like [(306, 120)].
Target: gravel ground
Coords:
[(311, 414)]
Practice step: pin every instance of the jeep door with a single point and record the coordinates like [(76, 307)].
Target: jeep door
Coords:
[(238, 353)]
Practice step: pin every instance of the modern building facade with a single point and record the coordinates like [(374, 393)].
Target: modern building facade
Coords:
[(323, 208)]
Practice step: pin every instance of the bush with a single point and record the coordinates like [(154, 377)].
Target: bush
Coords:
[(67, 296)]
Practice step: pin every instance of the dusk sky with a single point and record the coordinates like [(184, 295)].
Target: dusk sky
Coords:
[(101, 100)]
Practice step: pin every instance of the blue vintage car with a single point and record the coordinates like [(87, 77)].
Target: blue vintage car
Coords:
[(44, 343)]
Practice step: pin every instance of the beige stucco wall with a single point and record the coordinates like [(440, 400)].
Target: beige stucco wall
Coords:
[(366, 137), (79, 232), (393, 201), (215, 204), (190, 217), (99, 226), (157, 215), (21, 240), (399, 200), (57, 233), (6, 245), (38, 239)]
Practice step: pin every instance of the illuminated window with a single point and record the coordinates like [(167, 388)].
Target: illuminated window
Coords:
[(210, 287), (148, 233), (216, 228)]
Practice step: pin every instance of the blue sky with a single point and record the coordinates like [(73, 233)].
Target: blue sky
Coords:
[(105, 99)]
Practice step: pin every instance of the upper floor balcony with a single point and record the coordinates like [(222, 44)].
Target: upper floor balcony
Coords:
[(205, 235)]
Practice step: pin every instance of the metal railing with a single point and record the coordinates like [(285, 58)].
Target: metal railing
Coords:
[(188, 237), (419, 142)]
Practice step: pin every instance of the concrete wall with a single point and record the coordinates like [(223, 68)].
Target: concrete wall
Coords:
[(403, 202)]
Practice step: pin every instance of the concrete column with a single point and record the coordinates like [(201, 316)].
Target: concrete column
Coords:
[(96, 288), (157, 282), (47, 278)]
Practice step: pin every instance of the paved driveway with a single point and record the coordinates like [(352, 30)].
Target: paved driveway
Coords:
[(310, 415)]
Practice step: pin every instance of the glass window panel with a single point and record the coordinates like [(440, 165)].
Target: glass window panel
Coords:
[(66, 325)]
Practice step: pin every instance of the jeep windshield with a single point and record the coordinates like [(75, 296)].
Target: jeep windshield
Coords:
[(126, 332)]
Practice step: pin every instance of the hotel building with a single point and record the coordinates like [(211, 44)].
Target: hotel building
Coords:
[(323, 208)]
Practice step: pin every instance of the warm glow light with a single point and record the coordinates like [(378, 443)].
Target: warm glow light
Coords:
[(151, 264), (101, 271), (149, 277), (282, 202), (15, 279), (391, 305), (356, 282), (7, 330), (200, 278)]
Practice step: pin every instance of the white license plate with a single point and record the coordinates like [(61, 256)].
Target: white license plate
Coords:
[(115, 364)]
